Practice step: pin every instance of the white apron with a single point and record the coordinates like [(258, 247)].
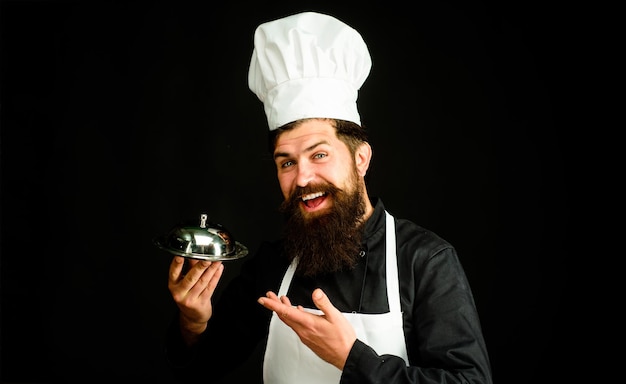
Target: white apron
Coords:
[(288, 360)]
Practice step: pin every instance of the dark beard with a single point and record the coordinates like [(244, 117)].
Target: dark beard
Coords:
[(329, 242)]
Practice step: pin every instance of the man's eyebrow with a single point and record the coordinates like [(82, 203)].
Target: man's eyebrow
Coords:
[(308, 149)]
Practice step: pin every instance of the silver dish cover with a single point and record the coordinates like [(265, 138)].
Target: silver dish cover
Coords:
[(206, 241)]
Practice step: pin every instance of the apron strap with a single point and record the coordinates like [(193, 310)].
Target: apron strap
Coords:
[(284, 285), (393, 288)]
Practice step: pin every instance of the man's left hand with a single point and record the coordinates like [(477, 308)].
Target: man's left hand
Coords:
[(329, 335)]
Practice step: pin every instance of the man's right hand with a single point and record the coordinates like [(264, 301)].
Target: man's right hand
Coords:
[(192, 293)]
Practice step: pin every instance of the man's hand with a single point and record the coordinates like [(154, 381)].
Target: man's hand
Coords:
[(329, 335), (192, 293)]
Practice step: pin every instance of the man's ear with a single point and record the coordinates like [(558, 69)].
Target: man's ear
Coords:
[(362, 159)]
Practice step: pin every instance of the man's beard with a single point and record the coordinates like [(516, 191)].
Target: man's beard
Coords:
[(326, 242)]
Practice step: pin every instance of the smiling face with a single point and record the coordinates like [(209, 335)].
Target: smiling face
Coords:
[(312, 163), (326, 202)]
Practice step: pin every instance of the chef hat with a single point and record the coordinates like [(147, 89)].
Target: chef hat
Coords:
[(308, 65)]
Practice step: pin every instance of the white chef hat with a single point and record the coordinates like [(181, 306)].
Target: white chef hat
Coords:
[(308, 65)]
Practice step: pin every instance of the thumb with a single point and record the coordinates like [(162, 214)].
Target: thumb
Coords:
[(322, 302)]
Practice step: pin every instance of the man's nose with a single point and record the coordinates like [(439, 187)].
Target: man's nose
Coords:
[(305, 174)]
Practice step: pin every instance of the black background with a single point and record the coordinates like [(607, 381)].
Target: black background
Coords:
[(120, 119)]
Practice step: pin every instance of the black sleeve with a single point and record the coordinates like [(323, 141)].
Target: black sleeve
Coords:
[(443, 333)]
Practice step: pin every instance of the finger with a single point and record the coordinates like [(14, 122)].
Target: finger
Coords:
[(273, 303), (192, 262), (271, 295), (284, 314), (285, 300), (194, 274), (270, 301), (322, 302), (176, 268), (205, 285), (217, 268), (294, 317)]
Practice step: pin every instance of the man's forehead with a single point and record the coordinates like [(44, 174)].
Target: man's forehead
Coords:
[(308, 131)]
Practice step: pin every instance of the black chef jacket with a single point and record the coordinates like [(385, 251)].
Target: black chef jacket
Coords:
[(441, 325)]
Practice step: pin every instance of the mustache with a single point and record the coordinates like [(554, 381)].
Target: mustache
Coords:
[(326, 188), (291, 203)]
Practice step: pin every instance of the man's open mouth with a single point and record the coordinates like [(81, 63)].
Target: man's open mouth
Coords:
[(312, 200)]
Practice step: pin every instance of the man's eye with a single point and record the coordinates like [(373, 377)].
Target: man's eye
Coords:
[(286, 164), (319, 155)]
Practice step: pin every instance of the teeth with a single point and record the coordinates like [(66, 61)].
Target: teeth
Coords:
[(312, 196)]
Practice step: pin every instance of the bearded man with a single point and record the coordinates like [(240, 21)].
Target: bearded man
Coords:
[(350, 294)]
